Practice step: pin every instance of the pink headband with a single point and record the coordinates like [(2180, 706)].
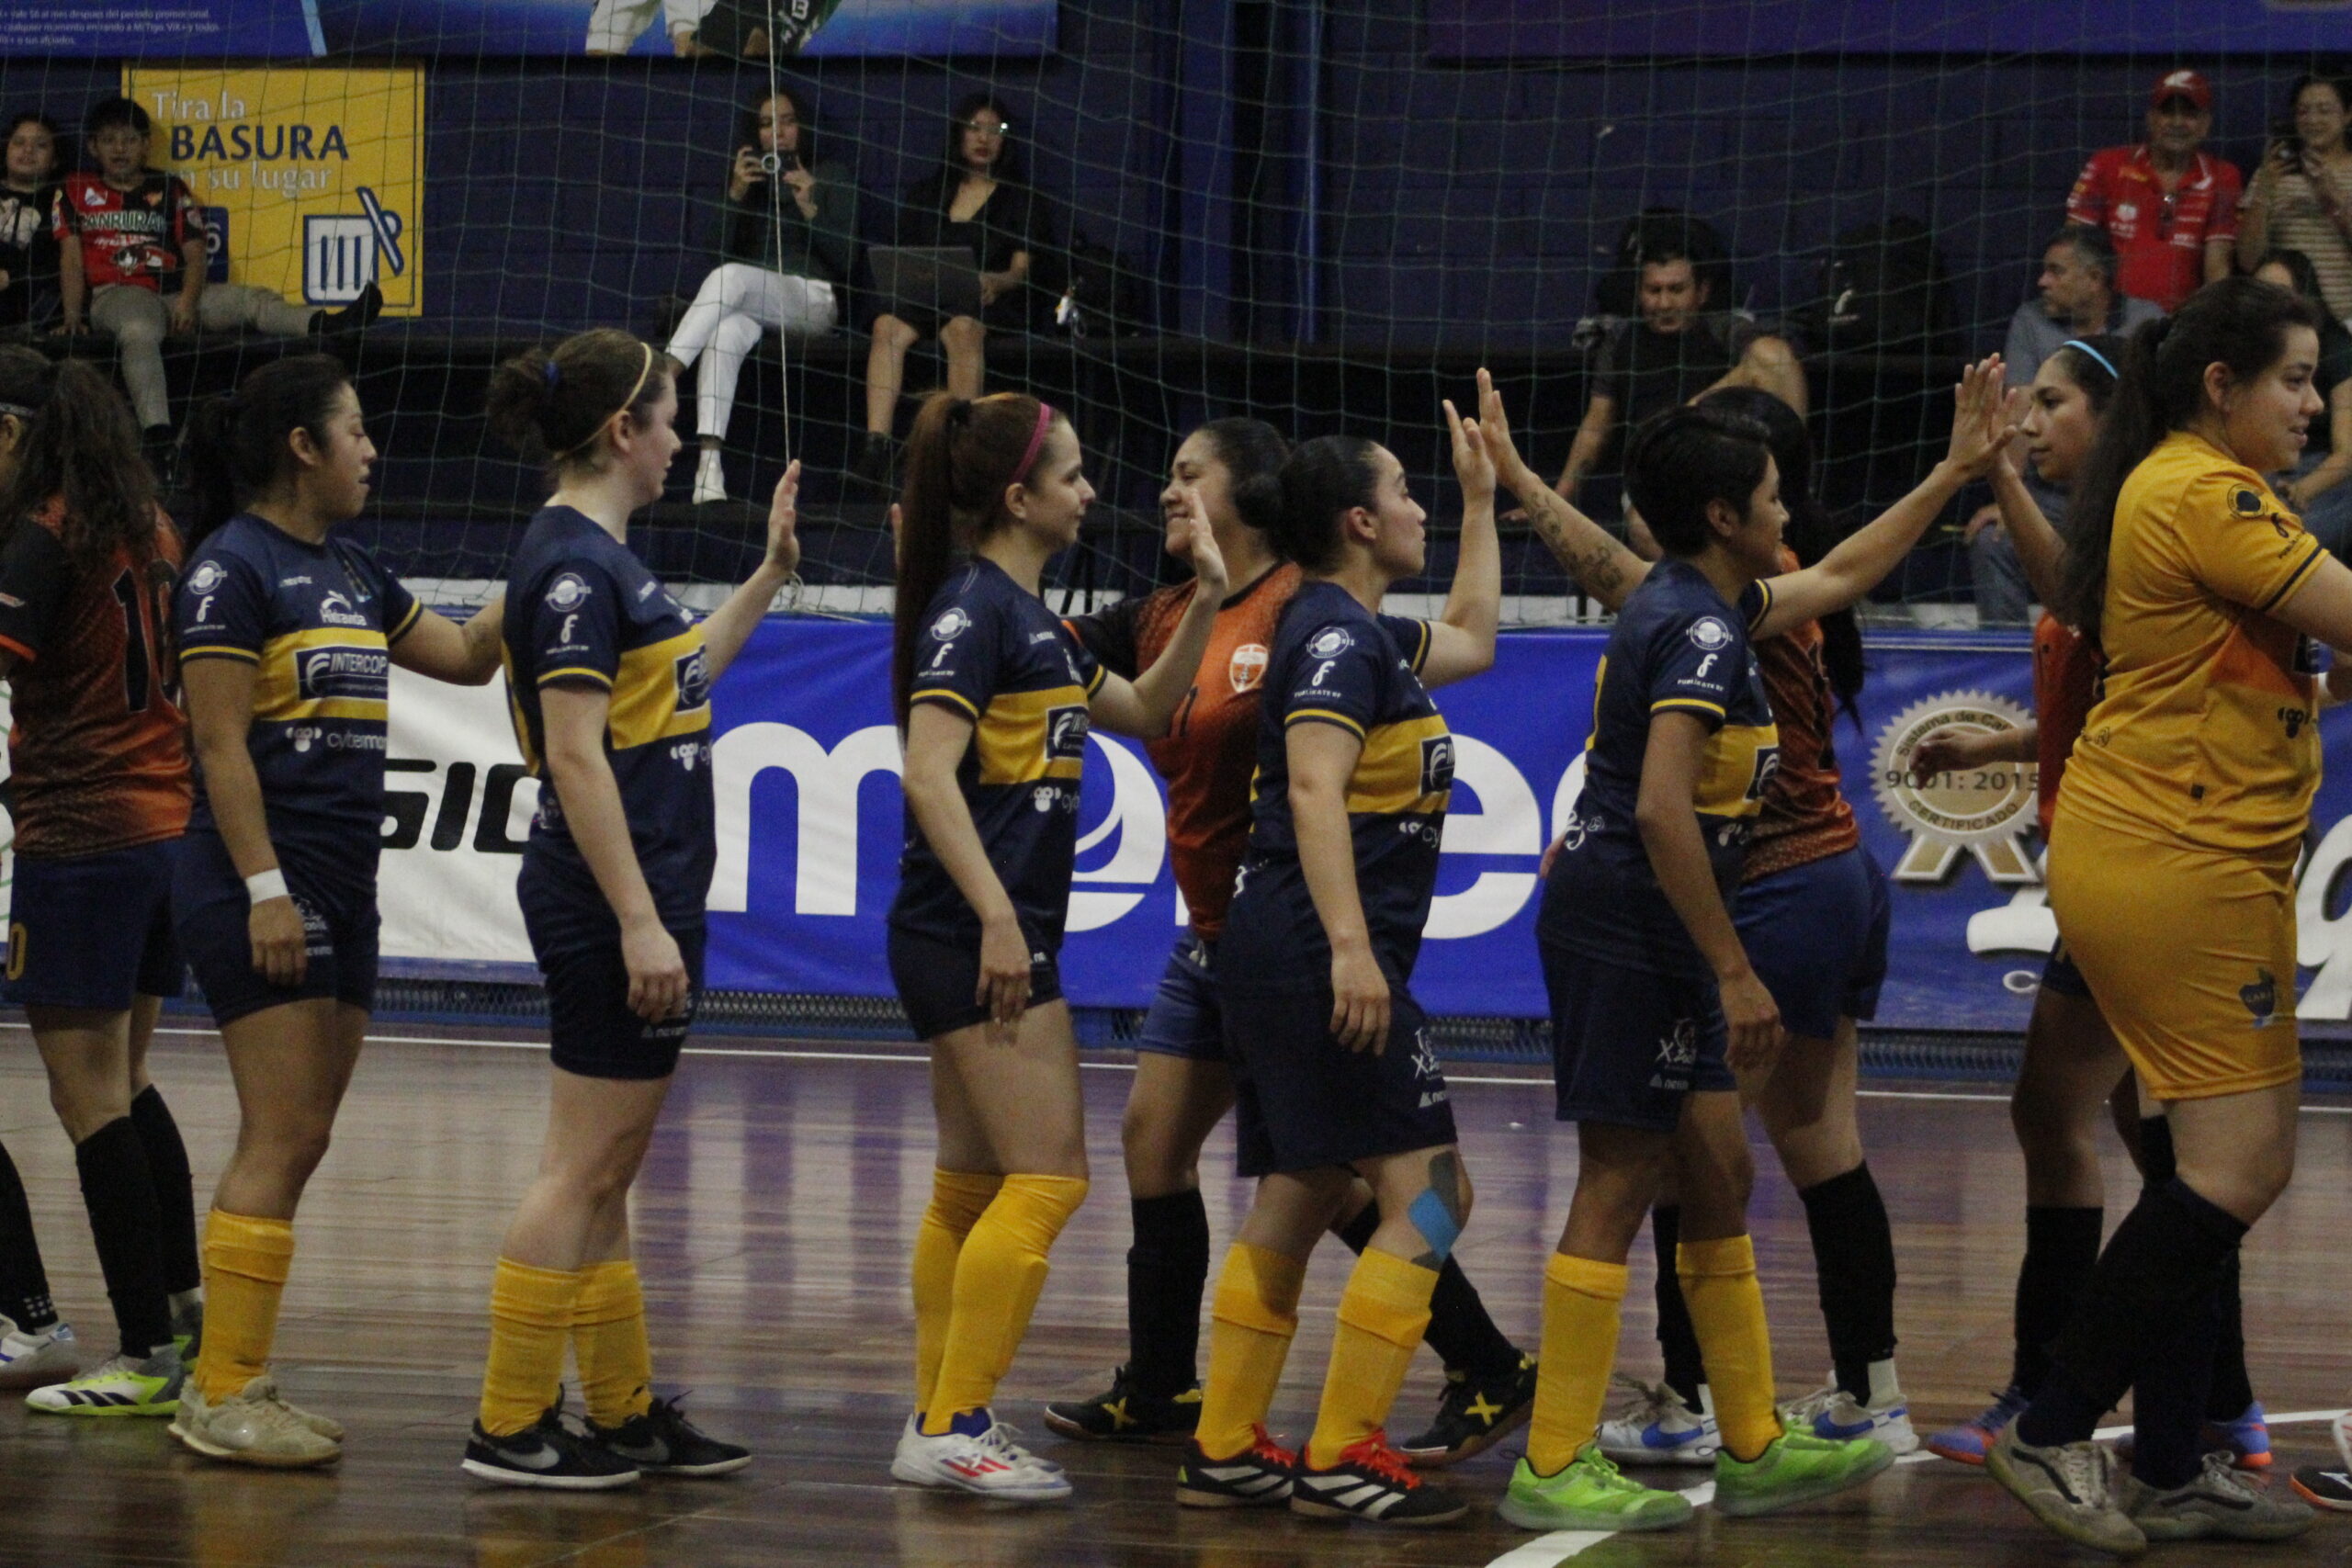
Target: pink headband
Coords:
[(1036, 440)]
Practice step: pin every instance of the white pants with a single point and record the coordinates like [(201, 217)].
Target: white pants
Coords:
[(736, 303), (617, 24)]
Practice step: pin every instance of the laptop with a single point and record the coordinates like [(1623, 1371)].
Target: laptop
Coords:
[(940, 281)]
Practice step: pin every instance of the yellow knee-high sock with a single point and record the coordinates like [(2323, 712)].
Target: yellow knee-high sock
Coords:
[(958, 1198), (1383, 1314), (998, 1278), (1727, 1310), (1581, 1299), (608, 1342), (530, 1320), (1253, 1320), (245, 1264)]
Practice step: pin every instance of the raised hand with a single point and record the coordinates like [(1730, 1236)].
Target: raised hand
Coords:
[(1190, 539), (1980, 428), (1494, 429), (1473, 466), (784, 517)]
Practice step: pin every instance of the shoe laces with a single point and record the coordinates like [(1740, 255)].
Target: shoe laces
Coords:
[(1268, 1452), (1801, 1412), (115, 1366), (999, 1439), (1642, 1402), (1374, 1454), (2088, 1471), (2218, 1472), (1603, 1472)]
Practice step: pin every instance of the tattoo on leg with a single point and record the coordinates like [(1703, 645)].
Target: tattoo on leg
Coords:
[(1438, 1213)]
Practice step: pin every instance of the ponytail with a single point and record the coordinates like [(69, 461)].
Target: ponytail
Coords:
[(79, 443), (553, 405), (237, 441)]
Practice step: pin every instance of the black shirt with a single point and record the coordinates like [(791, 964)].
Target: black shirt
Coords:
[(2334, 366), (768, 227), (1646, 372)]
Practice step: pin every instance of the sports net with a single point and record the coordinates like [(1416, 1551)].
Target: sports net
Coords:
[(1328, 215)]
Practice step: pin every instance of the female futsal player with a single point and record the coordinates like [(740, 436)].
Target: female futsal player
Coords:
[(1656, 1001), (1334, 1075), (996, 697), (99, 772), (284, 631), (2171, 873), (611, 682), (1184, 1084)]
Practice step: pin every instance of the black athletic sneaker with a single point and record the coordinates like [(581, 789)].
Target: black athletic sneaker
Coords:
[(664, 1442), (546, 1454), (1371, 1481), (2323, 1486), (1259, 1475), (1128, 1414), (1474, 1415)]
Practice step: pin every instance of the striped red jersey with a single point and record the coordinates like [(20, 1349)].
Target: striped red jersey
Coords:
[(1805, 815), (2065, 684), (97, 752)]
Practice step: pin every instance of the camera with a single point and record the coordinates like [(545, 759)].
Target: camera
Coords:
[(771, 163)]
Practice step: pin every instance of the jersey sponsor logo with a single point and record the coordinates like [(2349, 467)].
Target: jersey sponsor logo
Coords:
[(363, 673), (1246, 668), (1331, 643), (1985, 811), (952, 624), (1437, 765), (2294, 720), (693, 672), (566, 592), (300, 580), (648, 590), (1709, 634), (335, 610), (1065, 733), (208, 576), (1036, 638)]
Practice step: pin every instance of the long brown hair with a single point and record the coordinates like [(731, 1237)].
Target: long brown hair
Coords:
[(80, 443)]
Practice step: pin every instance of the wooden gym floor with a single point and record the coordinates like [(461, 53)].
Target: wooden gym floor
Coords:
[(774, 1223)]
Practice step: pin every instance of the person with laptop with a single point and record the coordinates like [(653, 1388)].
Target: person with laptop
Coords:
[(978, 200)]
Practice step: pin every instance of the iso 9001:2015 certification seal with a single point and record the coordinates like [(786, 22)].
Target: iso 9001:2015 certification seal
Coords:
[(1984, 810)]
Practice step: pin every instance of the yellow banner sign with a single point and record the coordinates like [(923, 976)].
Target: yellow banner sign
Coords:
[(312, 178)]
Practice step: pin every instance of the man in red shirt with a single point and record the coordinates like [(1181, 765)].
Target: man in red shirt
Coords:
[(2170, 207)]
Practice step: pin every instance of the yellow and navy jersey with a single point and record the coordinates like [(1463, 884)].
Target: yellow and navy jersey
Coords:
[(1677, 647), (1337, 664), (583, 611), (317, 622), (2204, 730)]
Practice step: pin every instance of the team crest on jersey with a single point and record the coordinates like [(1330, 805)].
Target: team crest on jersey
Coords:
[(693, 671), (208, 576), (1709, 634), (1247, 669), (2261, 999), (566, 592), (952, 624), (2245, 503), (1330, 644), (1065, 733)]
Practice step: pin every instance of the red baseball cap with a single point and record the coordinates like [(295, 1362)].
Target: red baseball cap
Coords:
[(2189, 85)]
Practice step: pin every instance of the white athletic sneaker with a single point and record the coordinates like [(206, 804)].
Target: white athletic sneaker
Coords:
[(1655, 1427), (710, 477), (2343, 1427), (117, 1386), (1831, 1412), (987, 1462), (33, 1361), (252, 1426)]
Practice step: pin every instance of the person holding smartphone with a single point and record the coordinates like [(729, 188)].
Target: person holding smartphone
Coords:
[(2301, 196)]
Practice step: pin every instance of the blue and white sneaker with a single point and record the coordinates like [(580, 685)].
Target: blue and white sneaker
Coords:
[(1656, 1428), (1831, 1413), (35, 1360)]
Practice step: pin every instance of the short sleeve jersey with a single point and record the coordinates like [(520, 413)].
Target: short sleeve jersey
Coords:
[(1805, 815), (97, 756), (1337, 664), (2065, 684), (583, 610), (2204, 731), (317, 622), (129, 236), (1677, 647), (991, 652), (2160, 237)]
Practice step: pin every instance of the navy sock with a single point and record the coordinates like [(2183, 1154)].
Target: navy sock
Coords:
[(24, 1285), (121, 1196), (1853, 1259), (1166, 1269), (175, 1189), (2060, 1250), (1677, 1340)]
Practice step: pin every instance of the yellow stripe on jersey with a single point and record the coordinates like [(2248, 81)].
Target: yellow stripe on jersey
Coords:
[(247, 654), (1731, 781), (1396, 773), (942, 695), (1701, 703), (1420, 654), (1763, 602), (408, 622), (515, 713), (1324, 716), (1026, 736), (645, 692), (285, 661)]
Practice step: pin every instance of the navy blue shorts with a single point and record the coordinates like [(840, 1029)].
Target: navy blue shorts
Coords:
[(1817, 934), (2060, 976), (936, 981), (1185, 1018), (93, 930), (591, 1031), (1302, 1100), (1628, 1045), (211, 909)]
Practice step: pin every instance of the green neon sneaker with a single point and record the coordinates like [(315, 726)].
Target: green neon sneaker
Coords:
[(1797, 1467), (117, 1386), (1590, 1493)]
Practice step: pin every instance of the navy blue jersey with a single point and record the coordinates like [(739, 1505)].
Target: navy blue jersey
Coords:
[(1677, 647), (317, 622), (1336, 662), (581, 610), (993, 653)]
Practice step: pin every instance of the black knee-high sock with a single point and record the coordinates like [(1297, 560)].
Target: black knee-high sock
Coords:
[(121, 1196), (1461, 1330), (24, 1285), (2162, 1265), (2230, 1390), (1678, 1339), (1166, 1269), (2169, 1396), (175, 1189), (1853, 1259), (2060, 1250)]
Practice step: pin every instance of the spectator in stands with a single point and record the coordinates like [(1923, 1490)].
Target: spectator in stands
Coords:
[(978, 198), (2318, 494), (27, 201), (2076, 297), (2301, 196), (126, 234), (2170, 207), (790, 235), (1676, 353)]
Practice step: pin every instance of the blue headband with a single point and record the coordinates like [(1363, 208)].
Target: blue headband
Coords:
[(2100, 359)]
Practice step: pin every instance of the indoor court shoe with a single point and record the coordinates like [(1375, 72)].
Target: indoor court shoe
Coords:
[(664, 1442), (1373, 1481), (546, 1453), (1258, 1476), (1125, 1414), (977, 1454), (2218, 1502), (117, 1386), (251, 1427), (2324, 1488), (2070, 1488), (1795, 1468), (1658, 1429), (33, 1361), (2247, 1437), (1831, 1412), (1474, 1415), (1969, 1443), (1589, 1493)]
